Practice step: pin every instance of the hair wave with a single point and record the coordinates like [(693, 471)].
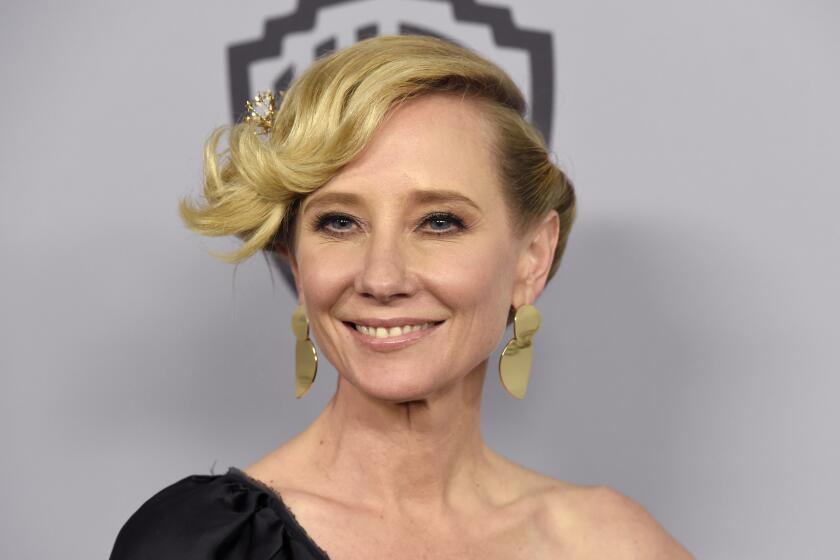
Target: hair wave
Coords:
[(253, 187)]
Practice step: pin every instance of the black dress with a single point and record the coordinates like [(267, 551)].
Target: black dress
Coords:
[(227, 516)]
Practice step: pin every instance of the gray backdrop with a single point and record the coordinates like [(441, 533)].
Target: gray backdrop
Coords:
[(689, 353)]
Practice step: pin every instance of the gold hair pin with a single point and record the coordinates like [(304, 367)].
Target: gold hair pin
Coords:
[(262, 111)]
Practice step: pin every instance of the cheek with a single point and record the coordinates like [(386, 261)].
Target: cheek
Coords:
[(476, 282), (324, 276), (471, 281)]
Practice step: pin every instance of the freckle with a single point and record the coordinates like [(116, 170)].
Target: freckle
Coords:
[(322, 442)]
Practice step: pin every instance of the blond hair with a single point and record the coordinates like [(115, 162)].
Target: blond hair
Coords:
[(329, 114)]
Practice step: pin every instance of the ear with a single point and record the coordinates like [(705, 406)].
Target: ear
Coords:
[(289, 256), (535, 259)]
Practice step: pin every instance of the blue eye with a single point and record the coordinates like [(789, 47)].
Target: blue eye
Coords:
[(335, 223), (444, 222), (440, 223), (340, 222)]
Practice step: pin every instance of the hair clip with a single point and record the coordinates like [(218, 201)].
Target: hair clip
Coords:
[(264, 101)]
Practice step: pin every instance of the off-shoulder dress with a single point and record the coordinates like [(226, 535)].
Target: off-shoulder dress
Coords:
[(227, 516)]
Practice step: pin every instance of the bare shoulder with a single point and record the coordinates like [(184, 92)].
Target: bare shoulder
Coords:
[(599, 521), (579, 521)]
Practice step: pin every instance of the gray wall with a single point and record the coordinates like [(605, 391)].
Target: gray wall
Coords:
[(689, 354)]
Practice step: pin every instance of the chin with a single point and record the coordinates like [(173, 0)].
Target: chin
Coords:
[(396, 386)]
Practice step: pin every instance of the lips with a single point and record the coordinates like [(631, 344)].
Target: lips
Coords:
[(386, 335), (388, 332)]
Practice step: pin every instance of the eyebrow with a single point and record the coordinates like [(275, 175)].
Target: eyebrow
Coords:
[(427, 196), (330, 198), (418, 196)]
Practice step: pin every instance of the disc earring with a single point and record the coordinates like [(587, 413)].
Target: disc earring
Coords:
[(515, 361), (306, 357)]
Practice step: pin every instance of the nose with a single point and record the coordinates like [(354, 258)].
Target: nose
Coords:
[(384, 274)]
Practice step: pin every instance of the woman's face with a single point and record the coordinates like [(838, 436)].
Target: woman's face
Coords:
[(406, 260)]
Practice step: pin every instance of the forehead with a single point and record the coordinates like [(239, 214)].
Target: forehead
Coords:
[(430, 142)]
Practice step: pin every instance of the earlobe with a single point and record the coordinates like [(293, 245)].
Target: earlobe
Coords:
[(536, 259)]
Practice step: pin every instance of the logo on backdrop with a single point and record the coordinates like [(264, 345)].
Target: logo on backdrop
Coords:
[(291, 43)]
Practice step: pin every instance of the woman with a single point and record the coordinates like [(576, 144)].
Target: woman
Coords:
[(419, 213)]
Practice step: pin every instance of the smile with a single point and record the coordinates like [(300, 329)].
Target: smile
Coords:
[(389, 332), (391, 335)]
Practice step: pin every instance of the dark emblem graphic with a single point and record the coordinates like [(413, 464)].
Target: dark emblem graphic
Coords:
[(290, 43)]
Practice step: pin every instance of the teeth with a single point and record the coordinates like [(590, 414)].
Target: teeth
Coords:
[(382, 332)]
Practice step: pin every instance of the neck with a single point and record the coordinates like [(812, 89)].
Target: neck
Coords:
[(402, 454)]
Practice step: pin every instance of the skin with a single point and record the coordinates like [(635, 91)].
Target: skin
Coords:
[(395, 465)]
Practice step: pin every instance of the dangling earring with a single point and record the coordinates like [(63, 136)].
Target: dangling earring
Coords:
[(306, 358), (515, 361)]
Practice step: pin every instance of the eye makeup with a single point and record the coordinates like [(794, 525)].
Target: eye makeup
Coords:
[(451, 223), (341, 224), (334, 224)]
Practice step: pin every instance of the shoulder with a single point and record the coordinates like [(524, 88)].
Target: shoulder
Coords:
[(581, 521), (201, 516), (599, 521)]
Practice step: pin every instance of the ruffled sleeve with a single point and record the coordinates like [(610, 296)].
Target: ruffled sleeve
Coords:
[(219, 517)]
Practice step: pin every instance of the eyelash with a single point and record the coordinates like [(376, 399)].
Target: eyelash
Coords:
[(322, 222)]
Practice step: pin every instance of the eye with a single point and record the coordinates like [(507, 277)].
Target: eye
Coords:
[(334, 223), (441, 223)]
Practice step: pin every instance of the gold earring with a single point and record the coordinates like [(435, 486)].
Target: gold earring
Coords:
[(515, 361), (306, 357)]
